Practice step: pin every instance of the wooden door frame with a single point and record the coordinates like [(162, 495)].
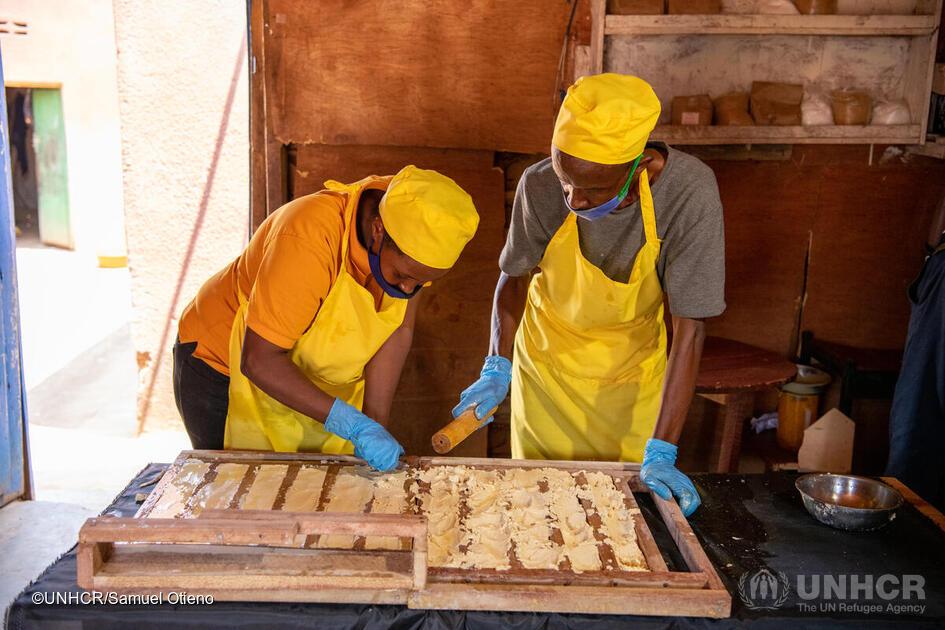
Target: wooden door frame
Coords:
[(267, 187)]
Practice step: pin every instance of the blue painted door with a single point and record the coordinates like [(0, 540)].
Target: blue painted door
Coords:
[(14, 459)]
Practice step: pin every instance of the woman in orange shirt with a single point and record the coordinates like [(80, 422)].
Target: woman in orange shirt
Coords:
[(298, 344)]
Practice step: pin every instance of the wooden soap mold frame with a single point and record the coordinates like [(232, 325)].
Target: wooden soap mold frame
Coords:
[(271, 540)]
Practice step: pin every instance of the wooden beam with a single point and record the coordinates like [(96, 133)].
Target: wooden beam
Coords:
[(267, 154), (844, 25), (598, 17), (257, 116), (923, 506), (654, 559), (686, 541), (769, 134), (574, 599)]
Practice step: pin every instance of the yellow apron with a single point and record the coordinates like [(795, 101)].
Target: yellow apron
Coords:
[(590, 353), (347, 331)]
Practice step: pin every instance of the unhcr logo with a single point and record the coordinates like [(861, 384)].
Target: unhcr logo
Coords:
[(763, 589)]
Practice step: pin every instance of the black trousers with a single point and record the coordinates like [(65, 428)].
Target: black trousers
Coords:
[(202, 395)]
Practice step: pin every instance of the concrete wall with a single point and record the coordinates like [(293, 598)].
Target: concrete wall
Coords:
[(71, 44), (182, 82)]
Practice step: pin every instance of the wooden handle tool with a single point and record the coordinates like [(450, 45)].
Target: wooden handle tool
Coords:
[(447, 438)]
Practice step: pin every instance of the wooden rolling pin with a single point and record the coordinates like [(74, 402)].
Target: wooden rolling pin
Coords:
[(449, 437)]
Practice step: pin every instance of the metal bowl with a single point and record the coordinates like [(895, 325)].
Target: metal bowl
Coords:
[(808, 380), (857, 504)]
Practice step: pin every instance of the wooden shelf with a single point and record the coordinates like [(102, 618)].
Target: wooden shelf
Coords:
[(845, 25), (831, 134), (889, 56), (934, 148)]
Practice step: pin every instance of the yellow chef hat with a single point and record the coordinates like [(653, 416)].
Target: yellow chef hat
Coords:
[(606, 118), (428, 216)]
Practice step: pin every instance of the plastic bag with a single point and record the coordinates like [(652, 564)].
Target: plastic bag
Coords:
[(816, 110), (892, 113), (765, 422)]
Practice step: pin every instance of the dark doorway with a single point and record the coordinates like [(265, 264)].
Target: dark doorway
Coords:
[(39, 165), (23, 163)]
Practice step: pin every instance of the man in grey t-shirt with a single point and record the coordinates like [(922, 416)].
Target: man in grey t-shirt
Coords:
[(691, 264), (609, 224)]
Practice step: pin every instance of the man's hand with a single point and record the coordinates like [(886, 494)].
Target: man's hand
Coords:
[(659, 472), (489, 391), (372, 442)]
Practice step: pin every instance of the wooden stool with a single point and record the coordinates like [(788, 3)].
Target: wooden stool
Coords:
[(868, 373), (730, 373)]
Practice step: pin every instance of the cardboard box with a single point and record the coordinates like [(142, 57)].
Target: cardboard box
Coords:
[(851, 107), (695, 7), (828, 444), (636, 7), (776, 103), (732, 109), (692, 110)]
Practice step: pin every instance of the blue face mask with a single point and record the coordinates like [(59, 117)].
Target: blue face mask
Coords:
[(374, 260), (593, 214)]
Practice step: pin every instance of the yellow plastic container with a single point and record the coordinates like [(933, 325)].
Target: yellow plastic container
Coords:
[(795, 413)]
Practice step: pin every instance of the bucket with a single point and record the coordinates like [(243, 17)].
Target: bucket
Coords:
[(798, 405)]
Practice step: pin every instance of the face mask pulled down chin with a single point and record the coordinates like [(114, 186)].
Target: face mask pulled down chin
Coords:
[(374, 260), (593, 214)]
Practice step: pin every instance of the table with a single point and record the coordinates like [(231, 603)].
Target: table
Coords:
[(730, 373), (747, 524)]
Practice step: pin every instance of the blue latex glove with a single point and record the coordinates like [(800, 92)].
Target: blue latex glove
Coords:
[(659, 472), (372, 442), (489, 391)]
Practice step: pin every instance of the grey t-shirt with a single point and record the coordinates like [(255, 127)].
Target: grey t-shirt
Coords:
[(691, 265)]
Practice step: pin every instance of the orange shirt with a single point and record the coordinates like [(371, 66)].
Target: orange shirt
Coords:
[(286, 271)]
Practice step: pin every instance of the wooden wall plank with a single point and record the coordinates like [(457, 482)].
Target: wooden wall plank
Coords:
[(257, 116), (867, 225), (766, 237), (452, 332), (478, 74), (310, 165), (267, 154), (868, 245)]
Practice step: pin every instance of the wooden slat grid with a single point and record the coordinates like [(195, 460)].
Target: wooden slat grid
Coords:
[(610, 573), (698, 591)]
